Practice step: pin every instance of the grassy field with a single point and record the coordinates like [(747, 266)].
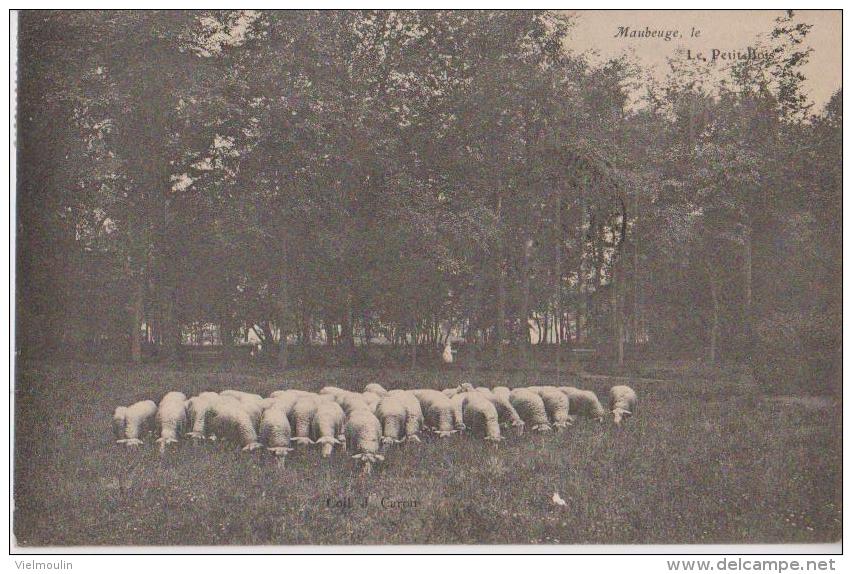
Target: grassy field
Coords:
[(704, 462)]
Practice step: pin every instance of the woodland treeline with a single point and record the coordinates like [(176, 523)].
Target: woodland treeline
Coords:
[(335, 175)]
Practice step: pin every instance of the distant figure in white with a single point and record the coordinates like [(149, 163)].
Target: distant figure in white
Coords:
[(447, 355)]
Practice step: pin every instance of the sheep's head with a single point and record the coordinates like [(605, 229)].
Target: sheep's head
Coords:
[(389, 440), (301, 440), (327, 443), (445, 433), (542, 427), (119, 422), (412, 438), (165, 440), (252, 446), (368, 459), (279, 451), (619, 414), (519, 425)]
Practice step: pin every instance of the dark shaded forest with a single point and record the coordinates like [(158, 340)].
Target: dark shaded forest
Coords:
[(326, 180)]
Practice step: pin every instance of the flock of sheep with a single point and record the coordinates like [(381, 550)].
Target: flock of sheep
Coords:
[(365, 423)]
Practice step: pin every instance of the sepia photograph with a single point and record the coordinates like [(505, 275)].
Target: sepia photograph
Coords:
[(534, 279)]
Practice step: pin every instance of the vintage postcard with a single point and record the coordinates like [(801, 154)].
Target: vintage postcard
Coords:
[(427, 277)]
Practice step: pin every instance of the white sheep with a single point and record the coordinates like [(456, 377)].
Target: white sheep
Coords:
[(363, 437), (507, 416), (458, 410), (393, 415), (171, 418), (480, 416), (275, 429), (327, 426), (240, 395), (229, 420), (372, 400), (437, 411), (300, 419), (584, 403), (414, 414), (531, 409), (376, 388), (284, 392), (350, 401), (253, 406), (557, 406), (197, 410), (501, 392), (284, 402), (623, 402), (129, 424)]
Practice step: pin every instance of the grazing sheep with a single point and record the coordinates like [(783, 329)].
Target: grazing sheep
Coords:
[(275, 429), (229, 420), (480, 415), (284, 402), (300, 419), (363, 436), (285, 392), (130, 423), (372, 400), (623, 402), (393, 415), (327, 426), (254, 407), (531, 409), (241, 395), (376, 388), (414, 414), (350, 401), (171, 418), (507, 416), (197, 410), (584, 403), (437, 411), (458, 410), (557, 406)]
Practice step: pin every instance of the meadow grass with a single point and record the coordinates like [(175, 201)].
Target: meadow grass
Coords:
[(708, 462)]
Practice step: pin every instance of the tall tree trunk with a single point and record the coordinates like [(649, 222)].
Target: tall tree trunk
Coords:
[(637, 285), (525, 301), (592, 297), (617, 320), (135, 270), (413, 344), (714, 329), (557, 316), (748, 311), (137, 317), (581, 252), (501, 285)]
